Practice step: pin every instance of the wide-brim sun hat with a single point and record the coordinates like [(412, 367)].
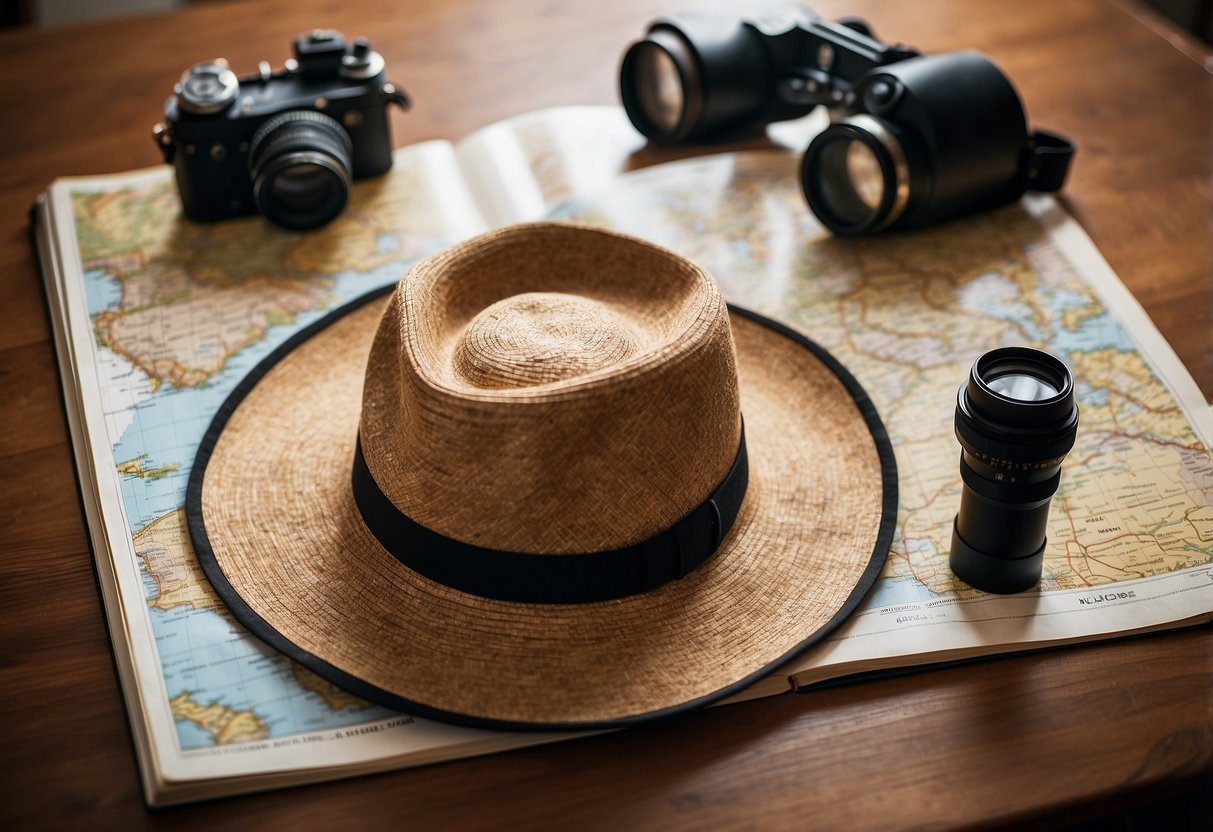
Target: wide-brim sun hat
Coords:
[(549, 480)]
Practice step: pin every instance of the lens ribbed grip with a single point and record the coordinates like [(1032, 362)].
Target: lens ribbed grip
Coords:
[(299, 130), (295, 141)]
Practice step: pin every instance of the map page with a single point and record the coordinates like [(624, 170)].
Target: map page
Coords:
[(157, 319)]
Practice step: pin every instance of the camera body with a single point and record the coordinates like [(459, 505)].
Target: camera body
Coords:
[(284, 141), (913, 139)]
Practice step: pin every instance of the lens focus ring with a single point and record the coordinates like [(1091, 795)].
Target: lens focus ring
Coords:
[(299, 162), (1008, 446), (1004, 431)]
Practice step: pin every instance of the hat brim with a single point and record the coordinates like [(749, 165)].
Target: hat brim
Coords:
[(276, 531)]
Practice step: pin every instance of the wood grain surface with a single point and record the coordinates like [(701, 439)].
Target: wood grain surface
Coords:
[(1057, 738)]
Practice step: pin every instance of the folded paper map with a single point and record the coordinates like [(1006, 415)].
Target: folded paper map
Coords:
[(157, 318)]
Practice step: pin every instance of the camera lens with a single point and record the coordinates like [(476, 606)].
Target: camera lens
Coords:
[(299, 162), (660, 85), (1016, 419), (855, 176), (1022, 387)]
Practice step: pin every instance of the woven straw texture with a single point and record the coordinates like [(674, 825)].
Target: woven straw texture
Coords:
[(553, 390)]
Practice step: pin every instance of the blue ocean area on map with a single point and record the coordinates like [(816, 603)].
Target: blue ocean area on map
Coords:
[(202, 651), (218, 663), (212, 658), (998, 297), (168, 426), (897, 590), (191, 736), (1098, 332), (101, 291)]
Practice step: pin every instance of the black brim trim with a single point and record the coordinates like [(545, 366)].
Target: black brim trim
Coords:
[(268, 634)]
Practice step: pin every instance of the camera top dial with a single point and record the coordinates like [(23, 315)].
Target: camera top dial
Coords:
[(361, 61), (207, 88)]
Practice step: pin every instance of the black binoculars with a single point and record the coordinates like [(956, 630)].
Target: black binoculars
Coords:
[(913, 139)]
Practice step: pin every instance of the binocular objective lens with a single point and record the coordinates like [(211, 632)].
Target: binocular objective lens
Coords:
[(660, 85), (863, 175), (300, 166), (855, 176), (658, 88), (849, 182)]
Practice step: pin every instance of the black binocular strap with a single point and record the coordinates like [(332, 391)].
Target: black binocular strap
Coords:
[(1049, 160)]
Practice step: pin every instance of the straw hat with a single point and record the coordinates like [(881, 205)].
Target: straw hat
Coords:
[(548, 482)]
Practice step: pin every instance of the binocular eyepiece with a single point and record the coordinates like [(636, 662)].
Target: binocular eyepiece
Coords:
[(913, 139)]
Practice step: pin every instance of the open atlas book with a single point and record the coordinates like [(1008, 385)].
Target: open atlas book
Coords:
[(156, 319)]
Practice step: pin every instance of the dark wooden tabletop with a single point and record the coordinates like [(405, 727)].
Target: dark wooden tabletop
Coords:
[(1059, 738)]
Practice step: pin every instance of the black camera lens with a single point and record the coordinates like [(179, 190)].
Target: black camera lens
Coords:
[(855, 175), (299, 163), (1016, 419)]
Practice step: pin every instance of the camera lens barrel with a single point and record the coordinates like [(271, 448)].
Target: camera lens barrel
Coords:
[(1016, 419), (299, 164)]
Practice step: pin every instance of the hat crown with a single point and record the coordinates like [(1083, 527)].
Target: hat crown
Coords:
[(540, 337), (553, 389)]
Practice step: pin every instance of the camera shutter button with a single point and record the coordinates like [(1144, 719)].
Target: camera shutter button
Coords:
[(361, 61)]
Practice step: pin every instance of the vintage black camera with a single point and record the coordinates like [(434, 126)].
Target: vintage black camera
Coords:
[(287, 142), (913, 139)]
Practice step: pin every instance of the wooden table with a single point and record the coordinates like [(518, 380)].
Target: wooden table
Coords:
[(1058, 738)]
